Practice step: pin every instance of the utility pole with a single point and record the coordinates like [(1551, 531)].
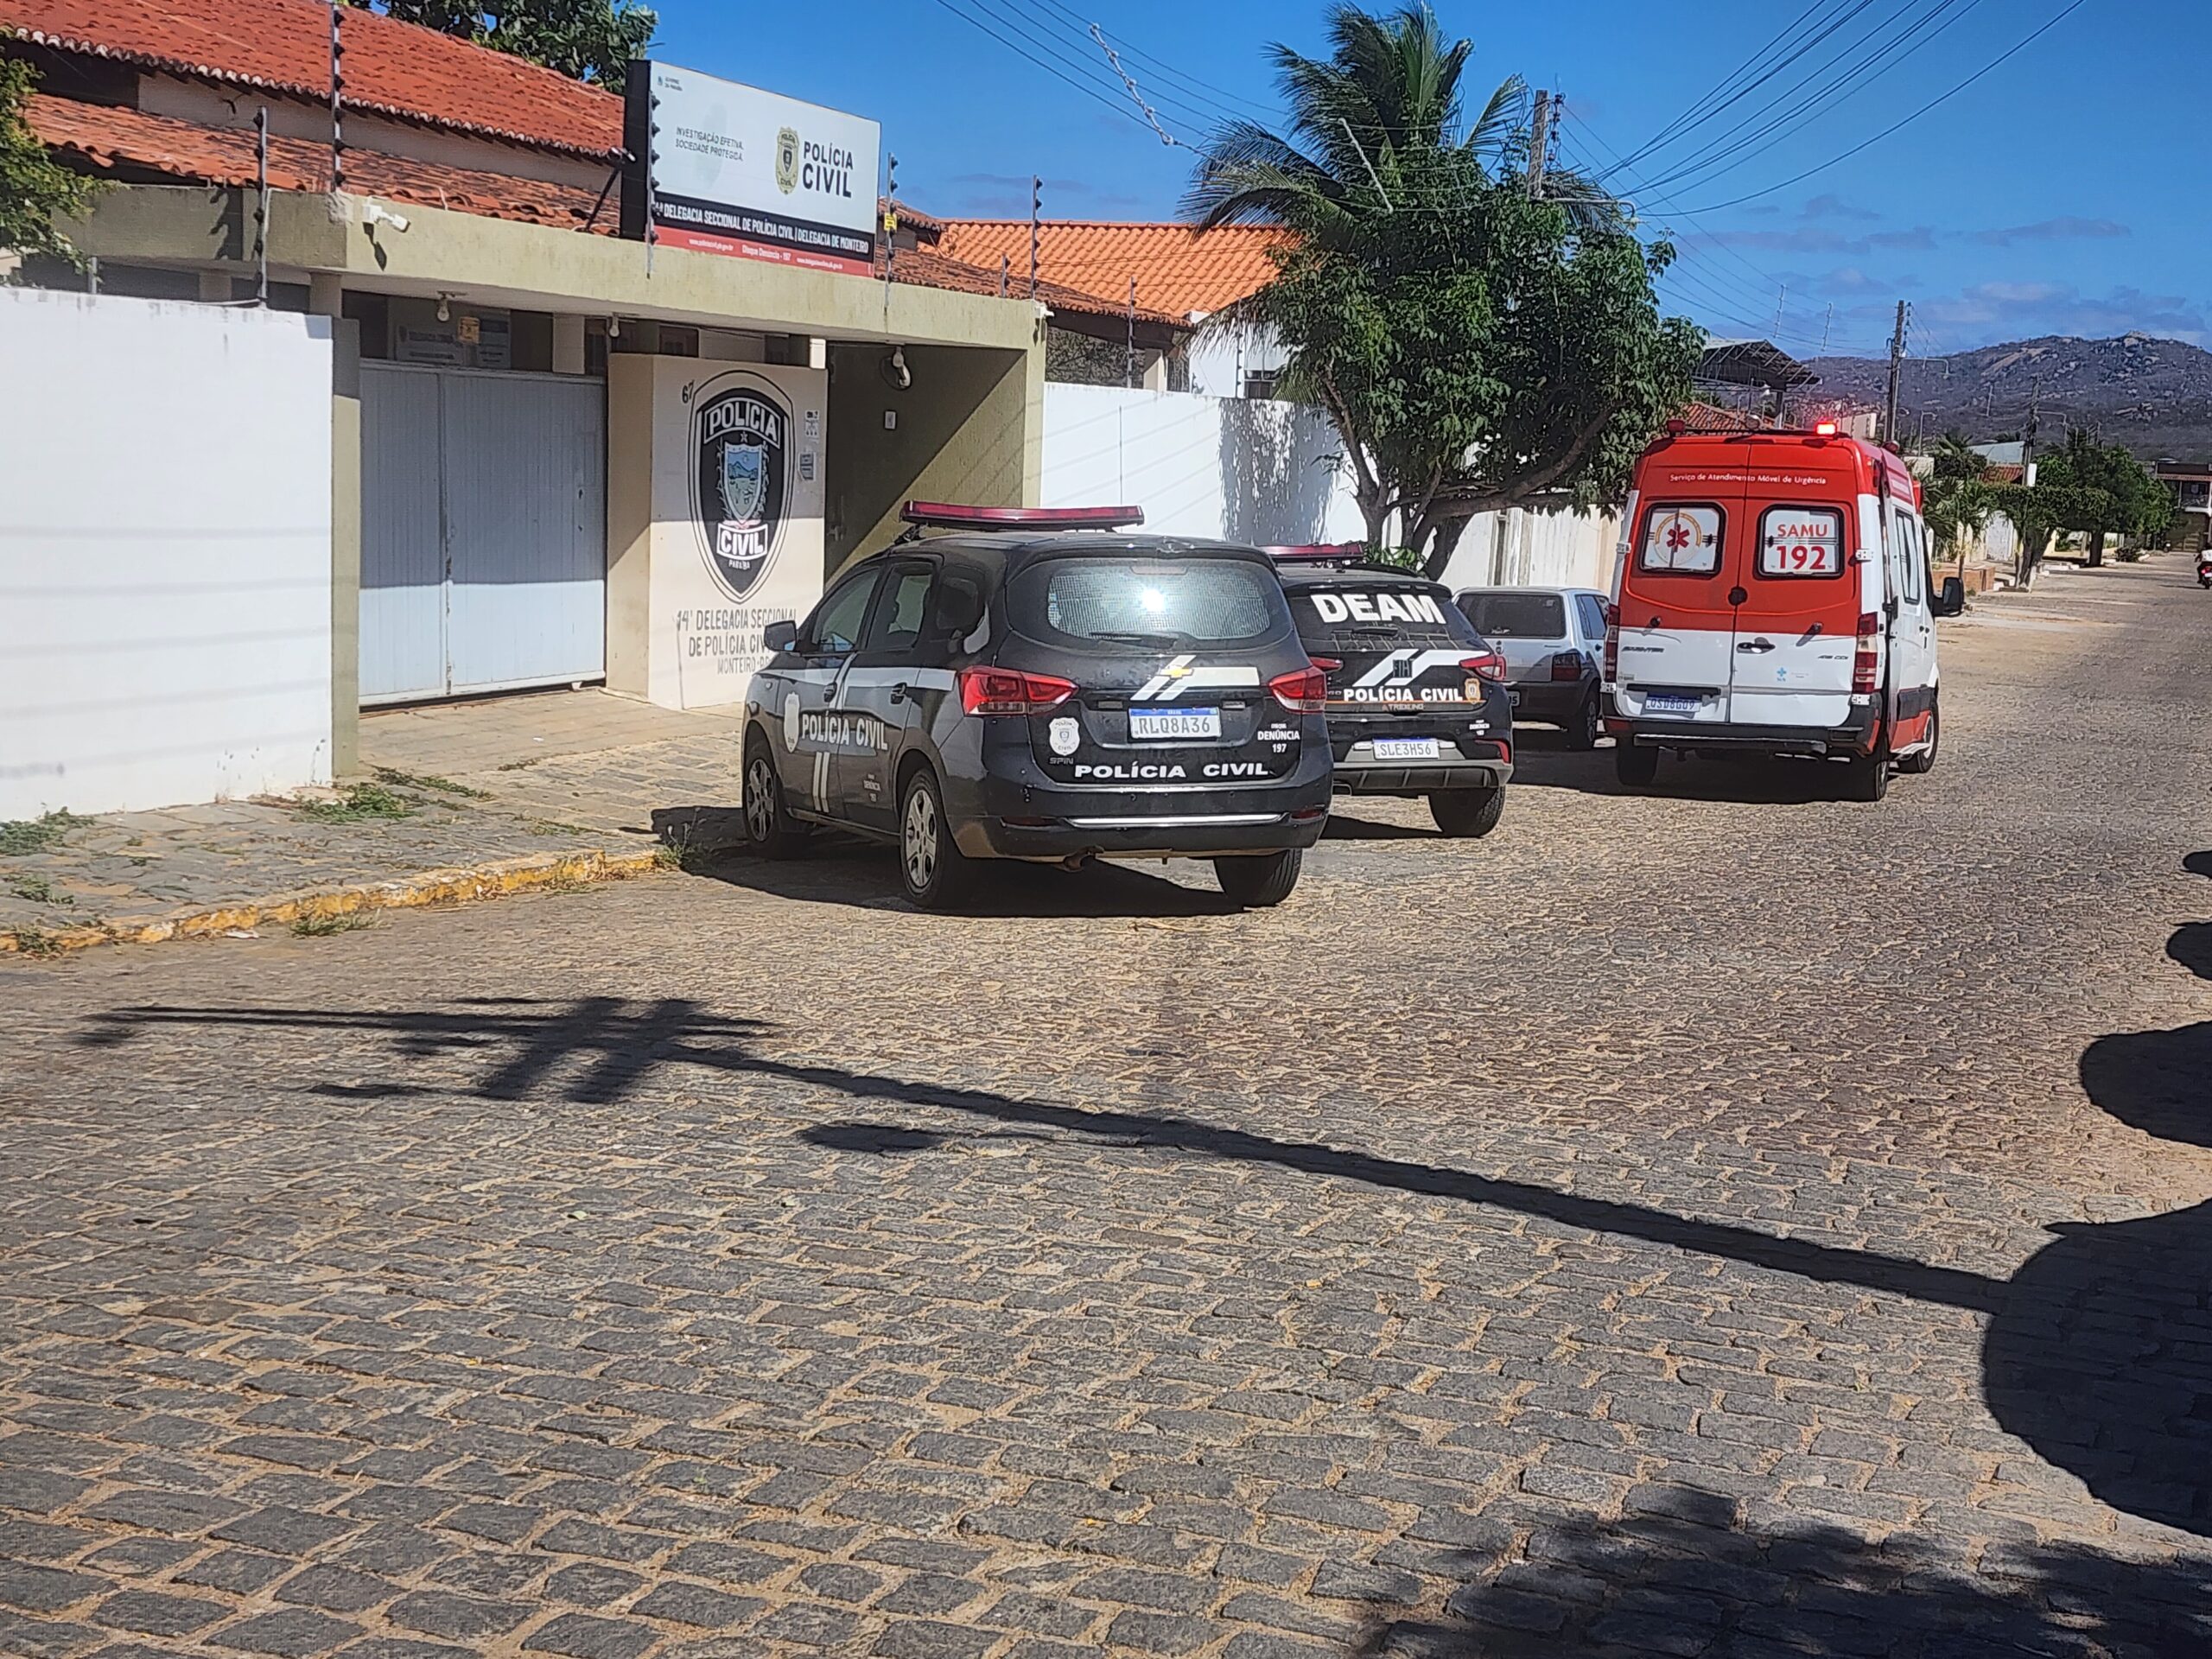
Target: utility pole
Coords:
[(1897, 371), (1538, 140), (1780, 299), (1130, 352), (2028, 434)]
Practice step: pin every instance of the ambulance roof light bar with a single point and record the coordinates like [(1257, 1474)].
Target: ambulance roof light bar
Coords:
[(1824, 429), (948, 515)]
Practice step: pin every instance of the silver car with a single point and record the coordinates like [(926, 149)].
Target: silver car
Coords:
[(1554, 642)]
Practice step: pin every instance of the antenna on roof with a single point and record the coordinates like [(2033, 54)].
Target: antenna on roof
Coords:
[(1036, 228)]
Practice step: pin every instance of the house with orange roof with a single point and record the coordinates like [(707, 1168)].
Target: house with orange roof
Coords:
[(458, 214), (1176, 269)]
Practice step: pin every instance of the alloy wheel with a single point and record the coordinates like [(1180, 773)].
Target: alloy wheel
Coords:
[(919, 841)]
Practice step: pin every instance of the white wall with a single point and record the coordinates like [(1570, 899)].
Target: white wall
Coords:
[(1263, 472), (164, 552), (1271, 473), (1219, 360), (1520, 548)]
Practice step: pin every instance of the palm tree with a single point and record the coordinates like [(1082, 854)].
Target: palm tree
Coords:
[(1369, 129), (1406, 227)]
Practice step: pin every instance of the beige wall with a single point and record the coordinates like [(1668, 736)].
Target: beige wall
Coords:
[(676, 635), (970, 429)]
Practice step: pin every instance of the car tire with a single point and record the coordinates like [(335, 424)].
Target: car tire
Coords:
[(935, 872), (1583, 727), (1467, 812), (1923, 761), (1260, 881), (1868, 776), (770, 829), (1636, 766)]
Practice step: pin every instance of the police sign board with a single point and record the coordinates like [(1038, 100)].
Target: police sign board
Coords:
[(727, 169)]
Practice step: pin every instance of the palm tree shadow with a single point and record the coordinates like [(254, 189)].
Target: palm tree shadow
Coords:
[(2099, 1355), (1682, 1576)]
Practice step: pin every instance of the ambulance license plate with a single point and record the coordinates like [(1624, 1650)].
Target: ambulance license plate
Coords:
[(1175, 723), (1662, 702), (1405, 748)]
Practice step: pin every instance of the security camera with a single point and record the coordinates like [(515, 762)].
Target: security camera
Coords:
[(895, 370), (377, 213)]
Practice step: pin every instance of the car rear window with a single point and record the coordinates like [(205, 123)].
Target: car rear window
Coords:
[(1516, 616), (1154, 603)]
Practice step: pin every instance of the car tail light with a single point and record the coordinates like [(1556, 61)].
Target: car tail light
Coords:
[(1488, 666), (1866, 661), (1327, 665), (1303, 691), (1566, 666), (1005, 691)]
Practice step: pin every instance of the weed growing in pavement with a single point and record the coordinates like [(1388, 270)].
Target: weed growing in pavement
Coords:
[(519, 766), (38, 890), (322, 927), (36, 942), (19, 837), (685, 855), (548, 827), (427, 780), (353, 804)]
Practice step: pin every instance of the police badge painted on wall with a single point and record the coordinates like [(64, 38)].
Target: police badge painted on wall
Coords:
[(741, 479)]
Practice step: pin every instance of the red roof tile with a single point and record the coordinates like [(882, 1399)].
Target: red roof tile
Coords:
[(1177, 270), (932, 269), (392, 68), (111, 138)]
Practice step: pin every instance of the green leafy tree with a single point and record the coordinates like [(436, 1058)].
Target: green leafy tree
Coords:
[(35, 190), (1955, 498), (1476, 348), (2101, 489), (586, 39)]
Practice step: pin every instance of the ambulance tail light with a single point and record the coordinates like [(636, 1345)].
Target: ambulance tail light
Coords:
[(1866, 660), (1488, 666), (1612, 643), (1303, 691), (1003, 691)]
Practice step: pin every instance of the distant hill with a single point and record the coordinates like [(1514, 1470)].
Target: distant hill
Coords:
[(2154, 396)]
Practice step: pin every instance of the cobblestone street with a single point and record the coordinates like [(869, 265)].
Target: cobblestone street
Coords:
[(1722, 1221)]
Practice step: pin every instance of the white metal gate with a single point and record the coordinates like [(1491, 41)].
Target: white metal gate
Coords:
[(483, 531)]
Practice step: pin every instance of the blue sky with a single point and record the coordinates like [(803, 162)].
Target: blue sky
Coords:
[(2057, 195)]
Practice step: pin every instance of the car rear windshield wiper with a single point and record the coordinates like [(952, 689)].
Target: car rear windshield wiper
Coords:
[(1163, 641)]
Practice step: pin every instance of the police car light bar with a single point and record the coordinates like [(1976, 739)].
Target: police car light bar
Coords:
[(946, 515), (1319, 553)]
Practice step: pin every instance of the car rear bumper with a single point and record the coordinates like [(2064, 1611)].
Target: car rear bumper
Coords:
[(1551, 700), (1021, 813), (1473, 763), (1855, 736)]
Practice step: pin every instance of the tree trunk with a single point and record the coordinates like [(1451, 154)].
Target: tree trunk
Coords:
[(1376, 510), (1448, 533), (2096, 549)]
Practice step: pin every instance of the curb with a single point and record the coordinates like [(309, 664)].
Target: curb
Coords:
[(448, 886)]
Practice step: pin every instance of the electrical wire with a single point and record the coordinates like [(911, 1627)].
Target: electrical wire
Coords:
[(1940, 97)]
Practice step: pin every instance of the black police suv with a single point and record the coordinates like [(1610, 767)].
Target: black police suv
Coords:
[(1417, 701), (1020, 688)]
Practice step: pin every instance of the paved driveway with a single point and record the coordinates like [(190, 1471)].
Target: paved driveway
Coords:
[(1729, 1221)]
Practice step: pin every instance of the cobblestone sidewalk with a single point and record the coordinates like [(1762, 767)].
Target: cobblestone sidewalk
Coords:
[(462, 800)]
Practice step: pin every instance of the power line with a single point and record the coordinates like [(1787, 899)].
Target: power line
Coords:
[(1940, 97), (1750, 136), (1088, 89)]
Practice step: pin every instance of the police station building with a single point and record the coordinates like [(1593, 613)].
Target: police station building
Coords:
[(615, 381)]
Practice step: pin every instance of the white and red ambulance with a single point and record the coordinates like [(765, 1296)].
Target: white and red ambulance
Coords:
[(1773, 595)]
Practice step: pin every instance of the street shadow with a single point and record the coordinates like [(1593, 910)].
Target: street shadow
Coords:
[(600, 1051), (845, 870), (2191, 946), (699, 829), (1347, 826), (1744, 780), (2100, 1355), (1689, 1580)]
